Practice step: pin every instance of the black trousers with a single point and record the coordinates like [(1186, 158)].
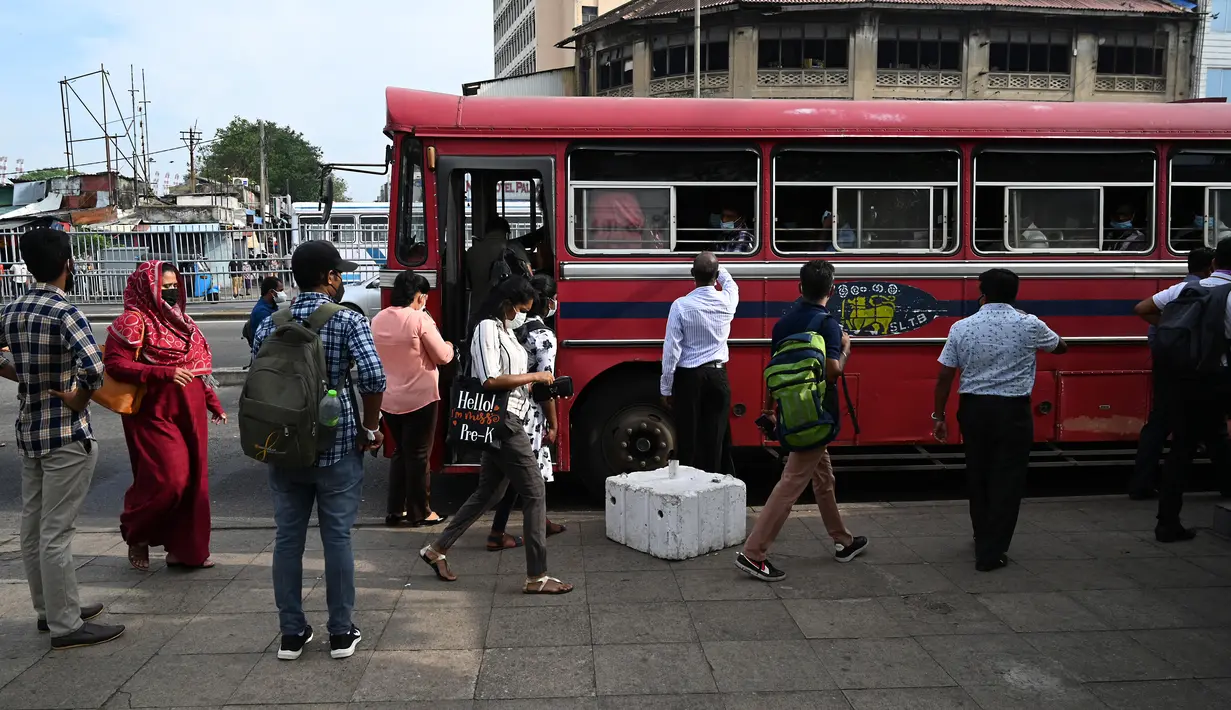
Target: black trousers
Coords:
[(1194, 415), (702, 404), (1153, 437), (997, 432), (409, 484)]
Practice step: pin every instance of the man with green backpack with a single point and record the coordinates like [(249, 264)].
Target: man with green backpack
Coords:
[(810, 351)]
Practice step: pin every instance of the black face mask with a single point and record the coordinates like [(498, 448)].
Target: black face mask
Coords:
[(171, 296), (339, 291), (70, 282)]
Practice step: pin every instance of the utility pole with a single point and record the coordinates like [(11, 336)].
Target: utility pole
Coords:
[(696, 55), (145, 127), (264, 194), (192, 137)]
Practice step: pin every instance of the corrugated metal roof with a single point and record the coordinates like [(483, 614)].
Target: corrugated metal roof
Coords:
[(646, 9)]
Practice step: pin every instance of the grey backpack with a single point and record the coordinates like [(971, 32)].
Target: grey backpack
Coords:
[(279, 420)]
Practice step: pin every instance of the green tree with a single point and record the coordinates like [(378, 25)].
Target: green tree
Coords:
[(289, 159), (47, 174)]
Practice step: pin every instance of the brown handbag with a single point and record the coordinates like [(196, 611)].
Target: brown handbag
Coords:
[(119, 397)]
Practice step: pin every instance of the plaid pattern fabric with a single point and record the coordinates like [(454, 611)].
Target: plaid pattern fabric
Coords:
[(346, 337), (52, 348)]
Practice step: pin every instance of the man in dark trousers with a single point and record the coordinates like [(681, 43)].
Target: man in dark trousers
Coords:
[(1144, 483), (694, 376), (995, 351)]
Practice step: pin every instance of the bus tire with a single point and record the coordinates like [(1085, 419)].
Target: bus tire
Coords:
[(623, 427)]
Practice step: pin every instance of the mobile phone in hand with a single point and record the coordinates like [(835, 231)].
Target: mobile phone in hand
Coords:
[(766, 425)]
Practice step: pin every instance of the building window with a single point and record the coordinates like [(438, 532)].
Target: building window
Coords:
[(1218, 83), (922, 48), (615, 68), (810, 46), (673, 54), (589, 13), (1220, 15), (1030, 51), (1132, 53)]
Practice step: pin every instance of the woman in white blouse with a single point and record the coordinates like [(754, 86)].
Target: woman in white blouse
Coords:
[(500, 362)]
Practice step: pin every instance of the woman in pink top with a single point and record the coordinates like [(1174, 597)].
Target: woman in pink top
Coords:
[(410, 348)]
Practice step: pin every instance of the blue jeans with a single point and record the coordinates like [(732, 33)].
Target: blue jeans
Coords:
[(336, 490)]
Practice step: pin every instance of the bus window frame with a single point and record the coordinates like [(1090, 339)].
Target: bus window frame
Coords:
[(1007, 186), (338, 229), (409, 150), (1209, 238), (673, 239), (311, 224), (372, 233), (951, 211)]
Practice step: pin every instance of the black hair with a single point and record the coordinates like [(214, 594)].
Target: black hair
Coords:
[(1200, 259), (515, 290), (494, 223), (544, 288), (46, 252), (309, 276), (406, 286), (1222, 253), (816, 279), (169, 268), (999, 285), (270, 283)]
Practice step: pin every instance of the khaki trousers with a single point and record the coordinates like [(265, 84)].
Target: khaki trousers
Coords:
[(802, 468)]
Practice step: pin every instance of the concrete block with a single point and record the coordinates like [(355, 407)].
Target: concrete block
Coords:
[(676, 518), (1222, 519)]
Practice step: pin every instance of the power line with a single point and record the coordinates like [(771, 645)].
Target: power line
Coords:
[(156, 152)]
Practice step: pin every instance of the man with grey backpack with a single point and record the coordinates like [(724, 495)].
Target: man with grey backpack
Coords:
[(297, 413)]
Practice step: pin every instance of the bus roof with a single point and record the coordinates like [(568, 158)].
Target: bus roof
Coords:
[(433, 114)]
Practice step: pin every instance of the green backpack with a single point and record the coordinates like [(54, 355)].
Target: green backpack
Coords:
[(279, 406), (796, 380)]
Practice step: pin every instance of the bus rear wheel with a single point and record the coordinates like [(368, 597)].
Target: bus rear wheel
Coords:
[(624, 428)]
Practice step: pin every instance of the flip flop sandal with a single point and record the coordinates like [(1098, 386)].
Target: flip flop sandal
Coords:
[(133, 559), (556, 529), (435, 564), (507, 542), (542, 582)]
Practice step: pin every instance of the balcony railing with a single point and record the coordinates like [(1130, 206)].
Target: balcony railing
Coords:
[(711, 82), (1029, 81), (803, 77), (1130, 83), (919, 78), (619, 91)]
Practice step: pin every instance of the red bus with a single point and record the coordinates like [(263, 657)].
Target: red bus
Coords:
[(911, 200)]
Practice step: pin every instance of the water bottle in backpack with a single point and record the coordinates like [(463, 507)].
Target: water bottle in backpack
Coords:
[(330, 413)]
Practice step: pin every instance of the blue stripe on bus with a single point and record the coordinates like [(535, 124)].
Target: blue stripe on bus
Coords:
[(610, 310)]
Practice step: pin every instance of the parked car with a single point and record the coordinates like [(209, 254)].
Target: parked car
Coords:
[(364, 297)]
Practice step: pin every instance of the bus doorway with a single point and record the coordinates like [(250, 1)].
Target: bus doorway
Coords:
[(473, 192)]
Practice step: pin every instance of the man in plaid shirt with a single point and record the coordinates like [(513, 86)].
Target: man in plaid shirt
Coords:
[(335, 483), (57, 366)]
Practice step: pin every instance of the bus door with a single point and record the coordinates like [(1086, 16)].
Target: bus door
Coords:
[(466, 216)]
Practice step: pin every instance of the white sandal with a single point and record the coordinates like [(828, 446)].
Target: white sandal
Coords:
[(565, 588), (435, 563)]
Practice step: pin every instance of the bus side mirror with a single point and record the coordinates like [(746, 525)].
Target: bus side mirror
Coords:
[(326, 201)]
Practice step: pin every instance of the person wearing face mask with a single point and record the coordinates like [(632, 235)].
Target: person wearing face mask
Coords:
[(53, 357), (498, 360), (272, 296), (411, 350), (540, 342), (735, 235), (1122, 235), (154, 343)]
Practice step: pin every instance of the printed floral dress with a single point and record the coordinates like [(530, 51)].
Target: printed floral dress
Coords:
[(540, 343)]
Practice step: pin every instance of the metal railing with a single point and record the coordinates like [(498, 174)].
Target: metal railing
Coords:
[(218, 264)]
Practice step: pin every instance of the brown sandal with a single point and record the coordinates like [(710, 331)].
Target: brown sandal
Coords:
[(542, 582), (139, 557), (507, 542), (555, 528)]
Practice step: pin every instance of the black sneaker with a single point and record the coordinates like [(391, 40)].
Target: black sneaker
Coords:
[(762, 570), (343, 645), (88, 635), (1173, 533), (992, 565), (89, 611), (846, 553), (292, 644)]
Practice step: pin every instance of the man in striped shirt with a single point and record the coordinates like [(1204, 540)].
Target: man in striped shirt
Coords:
[(694, 377)]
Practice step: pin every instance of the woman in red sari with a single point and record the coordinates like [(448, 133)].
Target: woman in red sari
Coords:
[(155, 343)]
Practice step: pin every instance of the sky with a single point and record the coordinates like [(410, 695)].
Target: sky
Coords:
[(318, 66)]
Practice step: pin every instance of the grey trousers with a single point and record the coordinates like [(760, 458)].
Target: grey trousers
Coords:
[(513, 464), (52, 490)]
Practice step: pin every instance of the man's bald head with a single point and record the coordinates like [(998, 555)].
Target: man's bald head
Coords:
[(705, 269)]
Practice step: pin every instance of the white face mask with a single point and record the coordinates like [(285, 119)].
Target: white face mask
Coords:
[(554, 305), (518, 320), (728, 225), (279, 296)]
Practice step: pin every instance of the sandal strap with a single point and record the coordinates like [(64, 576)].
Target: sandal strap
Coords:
[(542, 581), (429, 548)]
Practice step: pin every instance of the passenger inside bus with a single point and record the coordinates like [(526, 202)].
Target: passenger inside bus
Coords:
[(483, 253), (617, 223), (1121, 234), (735, 236)]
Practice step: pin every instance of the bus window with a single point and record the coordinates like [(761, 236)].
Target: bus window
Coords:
[(342, 229), (1048, 201), (374, 230), (631, 200), (311, 228), (1200, 205), (411, 230), (833, 200)]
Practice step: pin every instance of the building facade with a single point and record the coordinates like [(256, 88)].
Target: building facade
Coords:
[(527, 32), (1043, 50), (1215, 71)]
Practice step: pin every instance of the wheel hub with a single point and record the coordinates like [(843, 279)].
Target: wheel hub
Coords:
[(639, 439)]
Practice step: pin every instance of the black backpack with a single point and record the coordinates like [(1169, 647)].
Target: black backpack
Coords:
[(509, 264), (1191, 338)]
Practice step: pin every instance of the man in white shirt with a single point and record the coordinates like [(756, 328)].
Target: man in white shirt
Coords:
[(21, 278), (694, 381)]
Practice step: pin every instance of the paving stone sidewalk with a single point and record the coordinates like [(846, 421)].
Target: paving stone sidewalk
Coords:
[(1091, 613)]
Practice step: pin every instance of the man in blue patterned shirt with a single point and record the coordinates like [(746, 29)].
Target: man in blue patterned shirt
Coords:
[(335, 483), (995, 350), (57, 366)]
